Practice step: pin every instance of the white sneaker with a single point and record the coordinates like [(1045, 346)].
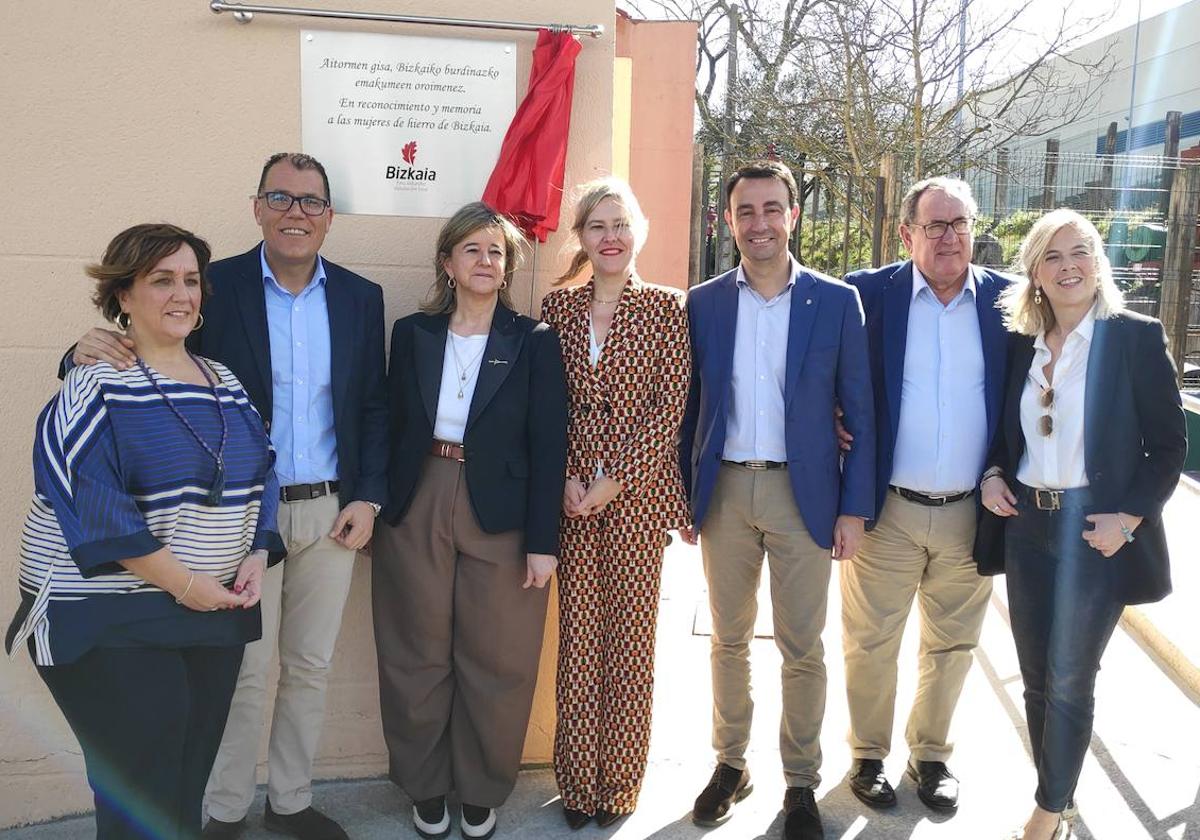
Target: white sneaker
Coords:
[(431, 817), (477, 823)]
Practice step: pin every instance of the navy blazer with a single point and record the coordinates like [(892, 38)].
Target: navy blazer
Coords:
[(1135, 443), (235, 333), (515, 444), (826, 365), (886, 296)]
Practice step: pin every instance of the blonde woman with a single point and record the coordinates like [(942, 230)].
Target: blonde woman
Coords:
[(1091, 445), (469, 538), (628, 364)]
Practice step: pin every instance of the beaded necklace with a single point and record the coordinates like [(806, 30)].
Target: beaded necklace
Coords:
[(217, 490)]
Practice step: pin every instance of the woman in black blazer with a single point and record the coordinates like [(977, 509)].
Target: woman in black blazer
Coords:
[(469, 540), (1093, 441)]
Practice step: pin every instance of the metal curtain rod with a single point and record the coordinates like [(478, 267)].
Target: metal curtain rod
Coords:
[(244, 13)]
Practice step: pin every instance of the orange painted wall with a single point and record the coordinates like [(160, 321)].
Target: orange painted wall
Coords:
[(663, 54)]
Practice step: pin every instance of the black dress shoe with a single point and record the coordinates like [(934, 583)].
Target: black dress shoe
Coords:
[(431, 817), (727, 786), (576, 819), (802, 820), (606, 818), (869, 784), (936, 786), (309, 824), (220, 829)]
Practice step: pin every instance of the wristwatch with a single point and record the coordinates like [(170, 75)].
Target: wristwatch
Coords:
[(375, 506)]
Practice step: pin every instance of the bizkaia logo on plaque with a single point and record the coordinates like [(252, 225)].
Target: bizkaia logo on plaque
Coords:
[(410, 172)]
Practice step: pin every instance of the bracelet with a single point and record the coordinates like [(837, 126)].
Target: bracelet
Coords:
[(987, 478), (991, 472), (1125, 532), (186, 589)]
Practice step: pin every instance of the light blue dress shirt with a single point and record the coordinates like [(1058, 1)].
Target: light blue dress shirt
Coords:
[(941, 442), (754, 430), (301, 382)]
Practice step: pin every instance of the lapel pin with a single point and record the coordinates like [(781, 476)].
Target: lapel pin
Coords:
[(497, 361), (808, 302)]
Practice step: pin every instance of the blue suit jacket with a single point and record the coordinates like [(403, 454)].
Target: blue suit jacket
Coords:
[(826, 364), (235, 333), (886, 295)]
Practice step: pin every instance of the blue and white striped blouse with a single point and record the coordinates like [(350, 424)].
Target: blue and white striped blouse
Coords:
[(118, 476)]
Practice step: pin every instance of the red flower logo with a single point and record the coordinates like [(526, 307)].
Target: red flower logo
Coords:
[(410, 152)]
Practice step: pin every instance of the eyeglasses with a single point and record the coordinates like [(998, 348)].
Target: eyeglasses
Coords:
[(1046, 422), (282, 202), (936, 230)]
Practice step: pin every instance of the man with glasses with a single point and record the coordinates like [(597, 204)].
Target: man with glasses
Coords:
[(937, 351), (305, 337)]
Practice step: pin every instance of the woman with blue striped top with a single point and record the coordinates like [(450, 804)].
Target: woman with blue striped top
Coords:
[(145, 545)]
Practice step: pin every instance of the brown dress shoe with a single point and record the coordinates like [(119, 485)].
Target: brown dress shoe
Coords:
[(727, 786)]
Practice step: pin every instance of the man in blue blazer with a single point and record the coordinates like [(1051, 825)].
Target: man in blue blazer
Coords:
[(305, 338), (775, 347), (937, 349)]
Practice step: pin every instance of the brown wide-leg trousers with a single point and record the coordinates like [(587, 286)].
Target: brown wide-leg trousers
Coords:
[(458, 642), (608, 583)]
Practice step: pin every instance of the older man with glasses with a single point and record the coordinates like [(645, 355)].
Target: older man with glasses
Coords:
[(937, 350), (305, 337)]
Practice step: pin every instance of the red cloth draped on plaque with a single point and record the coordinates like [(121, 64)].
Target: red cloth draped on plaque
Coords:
[(527, 183)]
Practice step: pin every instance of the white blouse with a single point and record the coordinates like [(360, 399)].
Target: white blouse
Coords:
[(1055, 461), (463, 356)]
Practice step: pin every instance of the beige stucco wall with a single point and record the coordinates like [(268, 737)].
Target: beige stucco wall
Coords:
[(122, 112)]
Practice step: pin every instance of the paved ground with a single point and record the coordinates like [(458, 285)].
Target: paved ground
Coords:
[(1141, 780)]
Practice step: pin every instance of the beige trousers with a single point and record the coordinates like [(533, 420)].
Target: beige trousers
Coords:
[(302, 604), (925, 552), (458, 642), (752, 512)]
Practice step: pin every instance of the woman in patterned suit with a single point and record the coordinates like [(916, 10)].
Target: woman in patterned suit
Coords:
[(628, 362)]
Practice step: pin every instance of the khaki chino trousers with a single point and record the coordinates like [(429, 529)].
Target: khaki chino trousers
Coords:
[(752, 512), (302, 602), (918, 552)]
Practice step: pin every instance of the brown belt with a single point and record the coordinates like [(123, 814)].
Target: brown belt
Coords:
[(445, 449)]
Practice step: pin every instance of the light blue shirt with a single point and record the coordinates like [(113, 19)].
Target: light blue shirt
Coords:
[(754, 430), (941, 442), (301, 384)]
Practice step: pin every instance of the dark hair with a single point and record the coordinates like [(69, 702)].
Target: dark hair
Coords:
[(298, 160), (470, 218), (134, 252), (764, 169)]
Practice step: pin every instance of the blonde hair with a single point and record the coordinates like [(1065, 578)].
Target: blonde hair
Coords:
[(1022, 314), (590, 196), (441, 299)]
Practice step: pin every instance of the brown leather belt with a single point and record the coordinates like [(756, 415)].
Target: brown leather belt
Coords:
[(445, 449)]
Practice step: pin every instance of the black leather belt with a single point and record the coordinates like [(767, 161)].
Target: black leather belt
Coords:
[(758, 465), (928, 500), (300, 492), (1051, 500)]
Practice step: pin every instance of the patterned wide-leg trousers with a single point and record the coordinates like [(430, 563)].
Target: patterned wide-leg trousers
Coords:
[(608, 583)]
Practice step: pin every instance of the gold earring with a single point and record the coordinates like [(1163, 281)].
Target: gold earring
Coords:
[(503, 285), (123, 327), (199, 322), (1037, 295)]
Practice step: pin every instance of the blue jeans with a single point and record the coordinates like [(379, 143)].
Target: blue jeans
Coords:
[(1063, 605)]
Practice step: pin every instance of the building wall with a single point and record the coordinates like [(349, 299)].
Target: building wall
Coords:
[(1168, 55), (141, 110), (662, 107)]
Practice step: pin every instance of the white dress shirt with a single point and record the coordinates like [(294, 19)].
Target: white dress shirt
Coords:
[(1055, 461), (755, 429), (452, 411), (941, 441)]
